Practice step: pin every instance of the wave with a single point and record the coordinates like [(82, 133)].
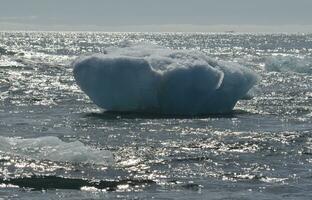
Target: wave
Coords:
[(55, 182), (4, 51), (289, 64), (52, 148), (150, 79)]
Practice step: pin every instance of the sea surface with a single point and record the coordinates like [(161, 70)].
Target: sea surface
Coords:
[(56, 144)]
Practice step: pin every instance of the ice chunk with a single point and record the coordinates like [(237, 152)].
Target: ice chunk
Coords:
[(52, 148), (151, 79), (289, 63)]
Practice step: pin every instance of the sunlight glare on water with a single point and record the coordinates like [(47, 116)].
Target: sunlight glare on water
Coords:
[(262, 150)]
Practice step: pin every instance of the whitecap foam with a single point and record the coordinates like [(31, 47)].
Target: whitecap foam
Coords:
[(289, 64), (52, 148), (151, 79), (5, 62)]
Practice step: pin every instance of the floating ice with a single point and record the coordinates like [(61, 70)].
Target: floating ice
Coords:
[(289, 63), (155, 80), (52, 148)]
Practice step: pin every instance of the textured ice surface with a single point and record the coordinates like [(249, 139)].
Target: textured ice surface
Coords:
[(156, 80), (52, 148)]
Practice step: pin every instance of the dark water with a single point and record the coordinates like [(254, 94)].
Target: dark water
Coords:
[(55, 143)]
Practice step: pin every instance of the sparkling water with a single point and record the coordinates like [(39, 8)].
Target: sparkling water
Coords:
[(55, 143)]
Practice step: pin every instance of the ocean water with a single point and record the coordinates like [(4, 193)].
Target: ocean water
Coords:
[(55, 143)]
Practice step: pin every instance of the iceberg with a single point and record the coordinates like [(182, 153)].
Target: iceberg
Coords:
[(151, 79)]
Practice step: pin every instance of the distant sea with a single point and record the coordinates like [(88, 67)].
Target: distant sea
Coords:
[(55, 143)]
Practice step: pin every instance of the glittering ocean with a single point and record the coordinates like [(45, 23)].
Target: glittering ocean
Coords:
[(55, 143)]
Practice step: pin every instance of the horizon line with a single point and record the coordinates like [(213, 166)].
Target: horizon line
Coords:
[(183, 28)]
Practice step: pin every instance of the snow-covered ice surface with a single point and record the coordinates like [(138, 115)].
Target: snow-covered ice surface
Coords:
[(55, 143)]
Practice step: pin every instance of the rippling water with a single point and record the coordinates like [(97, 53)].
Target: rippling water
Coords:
[(55, 143)]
